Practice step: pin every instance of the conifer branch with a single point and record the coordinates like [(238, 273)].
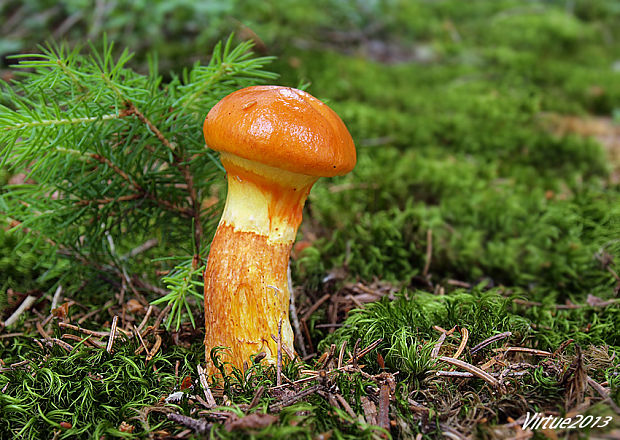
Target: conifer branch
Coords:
[(48, 122), (109, 200), (180, 163), (82, 129)]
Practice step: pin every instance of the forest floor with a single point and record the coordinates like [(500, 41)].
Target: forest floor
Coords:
[(461, 279)]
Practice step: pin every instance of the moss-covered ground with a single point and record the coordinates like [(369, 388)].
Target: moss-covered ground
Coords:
[(485, 203)]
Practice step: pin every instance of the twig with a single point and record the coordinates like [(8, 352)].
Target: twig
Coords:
[(489, 341), (524, 350), (257, 395), (85, 340), (141, 192), (346, 406), (383, 417), (202, 376), (366, 350), (279, 361), (94, 312), (341, 354), (468, 375), (451, 433), (181, 164), (155, 348), (293, 312), (355, 301), (289, 401), (56, 297), (562, 346), (370, 410), (304, 326), (463, 344), (146, 317), (472, 369), (41, 330), (158, 320), (454, 373), (25, 305), (142, 343), (603, 393), (85, 330), (331, 325), (198, 425), (315, 306), (19, 364), (437, 347), (107, 200), (326, 357), (443, 330), (355, 348), (112, 334), (63, 344), (11, 335), (142, 248), (287, 350), (458, 283)]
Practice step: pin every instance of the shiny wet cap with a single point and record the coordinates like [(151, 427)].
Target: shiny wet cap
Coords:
[(281, 127)]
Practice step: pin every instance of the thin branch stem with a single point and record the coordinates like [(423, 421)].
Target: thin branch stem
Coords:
[(181, 164), (47, 122)]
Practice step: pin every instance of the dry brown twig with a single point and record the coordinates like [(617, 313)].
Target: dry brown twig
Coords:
[(155, 348), (603, 393), (202, 377), (145, 319), (532, 351), (472, 369), (112, 334), (25, 305), (257, 395), (341, 354), (366, 350), (87, 340), (383, 416), (463, 344), (489, 341), (275, 407), (437, 347), (87, 331), (279, 361)]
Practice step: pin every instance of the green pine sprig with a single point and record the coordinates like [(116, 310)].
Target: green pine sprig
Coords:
[(113, 158)]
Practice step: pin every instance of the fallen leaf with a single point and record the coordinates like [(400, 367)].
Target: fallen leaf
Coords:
[(187, 382), (61, 311)]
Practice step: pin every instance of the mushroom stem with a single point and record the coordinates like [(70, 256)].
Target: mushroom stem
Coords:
[(246, 286)]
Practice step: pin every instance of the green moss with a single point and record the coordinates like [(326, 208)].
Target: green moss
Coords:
[(406, 324), (453, 138), (22, 266)]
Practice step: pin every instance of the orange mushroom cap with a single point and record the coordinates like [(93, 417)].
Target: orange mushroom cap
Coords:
[(281, 127)]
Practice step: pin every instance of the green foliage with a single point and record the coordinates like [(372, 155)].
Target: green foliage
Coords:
[(448, 104), (180, 282), (24, 267), (587, 325), (471, 156), (406, 324), (484, 224), (120, 158), (88, 388), (95, 392), (177, 29)]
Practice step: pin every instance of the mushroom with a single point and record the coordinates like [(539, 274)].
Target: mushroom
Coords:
[(274, 142)]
